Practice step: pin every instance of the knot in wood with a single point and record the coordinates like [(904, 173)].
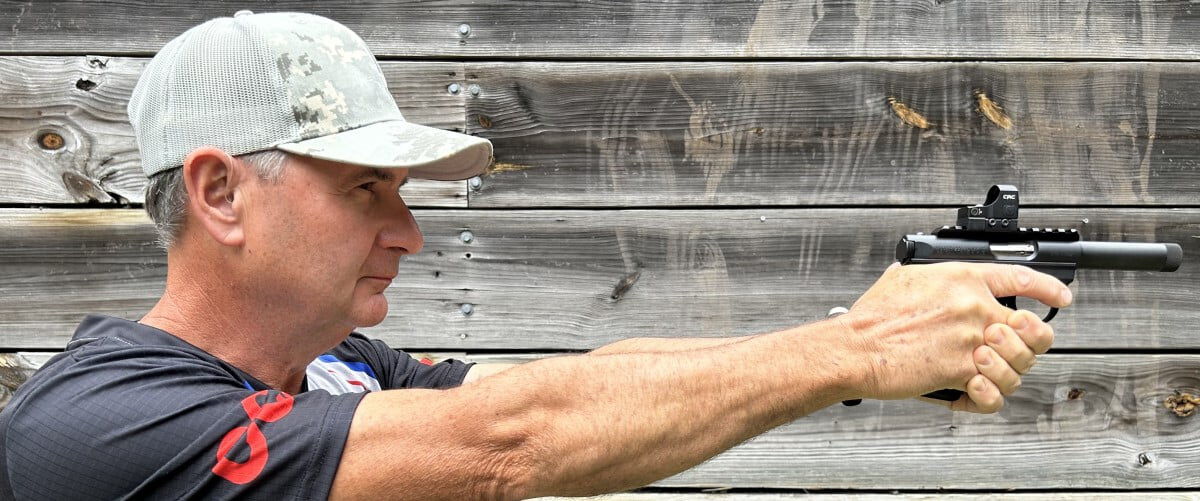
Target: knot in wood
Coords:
[(993, 111), (624, 285), (85, 85), (51, 141), (908, 115), (1182, 404)]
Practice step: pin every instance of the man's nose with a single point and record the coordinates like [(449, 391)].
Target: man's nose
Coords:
[(400, 230)]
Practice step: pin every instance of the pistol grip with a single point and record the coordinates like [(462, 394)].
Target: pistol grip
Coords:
[(947, 395)]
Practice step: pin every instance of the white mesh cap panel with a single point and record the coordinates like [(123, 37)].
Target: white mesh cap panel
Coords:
[(147, 107), (222, 90)]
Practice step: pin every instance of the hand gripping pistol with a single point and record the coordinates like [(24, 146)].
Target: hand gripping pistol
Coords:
[(989, 233)]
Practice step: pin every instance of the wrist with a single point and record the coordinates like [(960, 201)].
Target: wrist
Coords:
[(829, 359), (859, 353)]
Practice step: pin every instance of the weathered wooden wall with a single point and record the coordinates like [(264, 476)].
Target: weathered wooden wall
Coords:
[(738, 166)]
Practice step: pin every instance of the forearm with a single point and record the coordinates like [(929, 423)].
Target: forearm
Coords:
[(662, 345), (605, 423)]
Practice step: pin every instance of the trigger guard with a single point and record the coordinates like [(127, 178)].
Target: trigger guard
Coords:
[(1011, 302), (1050, 316)]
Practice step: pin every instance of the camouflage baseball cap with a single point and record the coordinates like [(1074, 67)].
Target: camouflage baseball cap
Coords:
[(292, 81)]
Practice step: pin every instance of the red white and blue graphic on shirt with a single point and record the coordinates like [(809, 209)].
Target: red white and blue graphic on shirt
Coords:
[(337, 376)]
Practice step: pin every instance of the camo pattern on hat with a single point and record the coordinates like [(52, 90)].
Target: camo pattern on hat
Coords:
[(292, 81)]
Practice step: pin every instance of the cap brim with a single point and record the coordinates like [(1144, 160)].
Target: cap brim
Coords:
[(428, 152)]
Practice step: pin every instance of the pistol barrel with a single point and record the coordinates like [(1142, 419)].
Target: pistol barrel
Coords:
[(1130, 256), (1080, 254)]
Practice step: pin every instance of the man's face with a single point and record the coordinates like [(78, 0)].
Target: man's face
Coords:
[(327, 239)]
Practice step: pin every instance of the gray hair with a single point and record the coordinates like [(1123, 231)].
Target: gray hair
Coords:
[(166, 196)]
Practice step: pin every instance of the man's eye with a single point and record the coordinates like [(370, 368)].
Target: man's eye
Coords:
[(367, 186)]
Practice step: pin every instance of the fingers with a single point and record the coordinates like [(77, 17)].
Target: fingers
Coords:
[(1035, 333), (982, 397), (1015, 280), (1010, 346), (996, 369), (997, 376)]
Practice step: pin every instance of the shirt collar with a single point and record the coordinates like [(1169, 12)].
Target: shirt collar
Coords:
[(94, 327)]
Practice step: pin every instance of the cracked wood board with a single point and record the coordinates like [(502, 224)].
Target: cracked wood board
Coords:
[(547, 279)]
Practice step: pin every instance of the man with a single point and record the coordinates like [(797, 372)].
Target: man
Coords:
[(246, 379)]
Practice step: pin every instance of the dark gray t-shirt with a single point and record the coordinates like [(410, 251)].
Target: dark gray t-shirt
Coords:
[(130, 411)]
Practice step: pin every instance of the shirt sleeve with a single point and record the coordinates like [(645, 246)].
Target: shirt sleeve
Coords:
[(158, 423), (400, 370)]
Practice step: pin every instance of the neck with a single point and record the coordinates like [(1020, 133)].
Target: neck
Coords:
[(225, 319)]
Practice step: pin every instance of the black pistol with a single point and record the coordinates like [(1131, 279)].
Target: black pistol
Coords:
[(989, 233)]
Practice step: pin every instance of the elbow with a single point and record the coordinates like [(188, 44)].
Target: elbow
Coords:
[(514, 485), (510, 449)]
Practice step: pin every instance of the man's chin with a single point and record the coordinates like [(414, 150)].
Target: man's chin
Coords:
[(371, 312)]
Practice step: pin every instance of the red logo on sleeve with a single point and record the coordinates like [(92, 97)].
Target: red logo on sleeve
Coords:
[(241, 473)]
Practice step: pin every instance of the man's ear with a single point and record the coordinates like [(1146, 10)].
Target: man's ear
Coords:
[(214, 180)]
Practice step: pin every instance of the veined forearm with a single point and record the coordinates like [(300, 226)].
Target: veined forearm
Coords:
[(605, 423), (663, 344)]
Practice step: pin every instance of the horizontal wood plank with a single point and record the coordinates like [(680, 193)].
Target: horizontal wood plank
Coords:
[(1078, 422), (655, 29), (763, 134), (82, 101), (578, 279), (624, 135)]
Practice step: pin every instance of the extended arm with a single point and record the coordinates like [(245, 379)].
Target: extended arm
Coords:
[(591, 424), (581, 425)]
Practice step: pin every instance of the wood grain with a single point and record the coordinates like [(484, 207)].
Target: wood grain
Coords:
[(848, 133), (652, 134), (15, 368), (1078, 422), (1106, 29), (83, 100), (547, 279)]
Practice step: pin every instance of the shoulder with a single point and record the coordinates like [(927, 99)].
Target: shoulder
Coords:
[(159, 421)]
